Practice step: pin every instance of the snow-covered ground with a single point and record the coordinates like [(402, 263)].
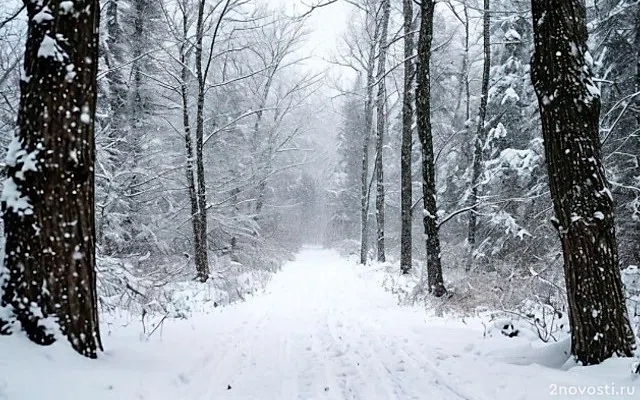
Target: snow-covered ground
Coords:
[(324, 329)]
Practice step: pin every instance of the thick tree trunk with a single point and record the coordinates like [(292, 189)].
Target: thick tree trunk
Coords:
[(570, 107), (480, 137), (201, 256), (366, 138), (423, 111), (381, 123), (407, 142), (48, 198)]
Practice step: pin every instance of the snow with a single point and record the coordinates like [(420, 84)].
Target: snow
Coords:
[(49, 48), (510, 95), (324, 329), (512, 35), (14, 199), (66, 7), (85, 117), (43, 16)]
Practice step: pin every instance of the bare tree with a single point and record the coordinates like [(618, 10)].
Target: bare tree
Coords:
[(372, 20), (480, 136), (407, 141), (381, 122), (423, 111)]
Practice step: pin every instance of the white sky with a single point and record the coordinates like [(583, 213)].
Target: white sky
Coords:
[(327, 24)]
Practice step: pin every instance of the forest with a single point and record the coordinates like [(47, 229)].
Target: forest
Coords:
[(274, 199)]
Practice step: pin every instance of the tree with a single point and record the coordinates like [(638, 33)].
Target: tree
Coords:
[(48, 198), (199, 242), (381, 126), (423, 111), (371, 19), (480, 136), (569, 101), (407, 141)]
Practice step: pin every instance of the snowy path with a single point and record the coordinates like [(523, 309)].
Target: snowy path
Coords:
[(320, 332), (324, 329)]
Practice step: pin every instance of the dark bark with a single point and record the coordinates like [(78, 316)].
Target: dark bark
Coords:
[(199, 247), (480, 138), (381, 123), (570, 107), (423, 112), (49, 217), (201, 256), (407, 142)]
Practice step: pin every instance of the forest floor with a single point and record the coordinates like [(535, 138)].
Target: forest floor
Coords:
[(323, 329)]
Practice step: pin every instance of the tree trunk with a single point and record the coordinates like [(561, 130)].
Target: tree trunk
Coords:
[(381, 122), (366, 137), (570, 107), (423, 111), (636, 44), (201, 256), (407, 138), (199, 246), (140, 32), (48, 198), (262, 186), (117, 90), (480, 137)]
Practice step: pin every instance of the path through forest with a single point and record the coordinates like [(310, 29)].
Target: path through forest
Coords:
[(324, 329)]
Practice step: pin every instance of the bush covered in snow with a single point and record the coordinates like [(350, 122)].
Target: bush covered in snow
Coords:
[(166, 285)]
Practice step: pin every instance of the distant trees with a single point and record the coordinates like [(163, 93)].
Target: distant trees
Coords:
[(617, 34), (569, 101), (49, 275)]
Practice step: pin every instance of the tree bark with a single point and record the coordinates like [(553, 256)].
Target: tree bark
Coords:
[(366, 137), (48, 198), (480, 137), (570, 107), (199, 247), (381, 123), (423, 111), (407, 142), (201, 256)]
